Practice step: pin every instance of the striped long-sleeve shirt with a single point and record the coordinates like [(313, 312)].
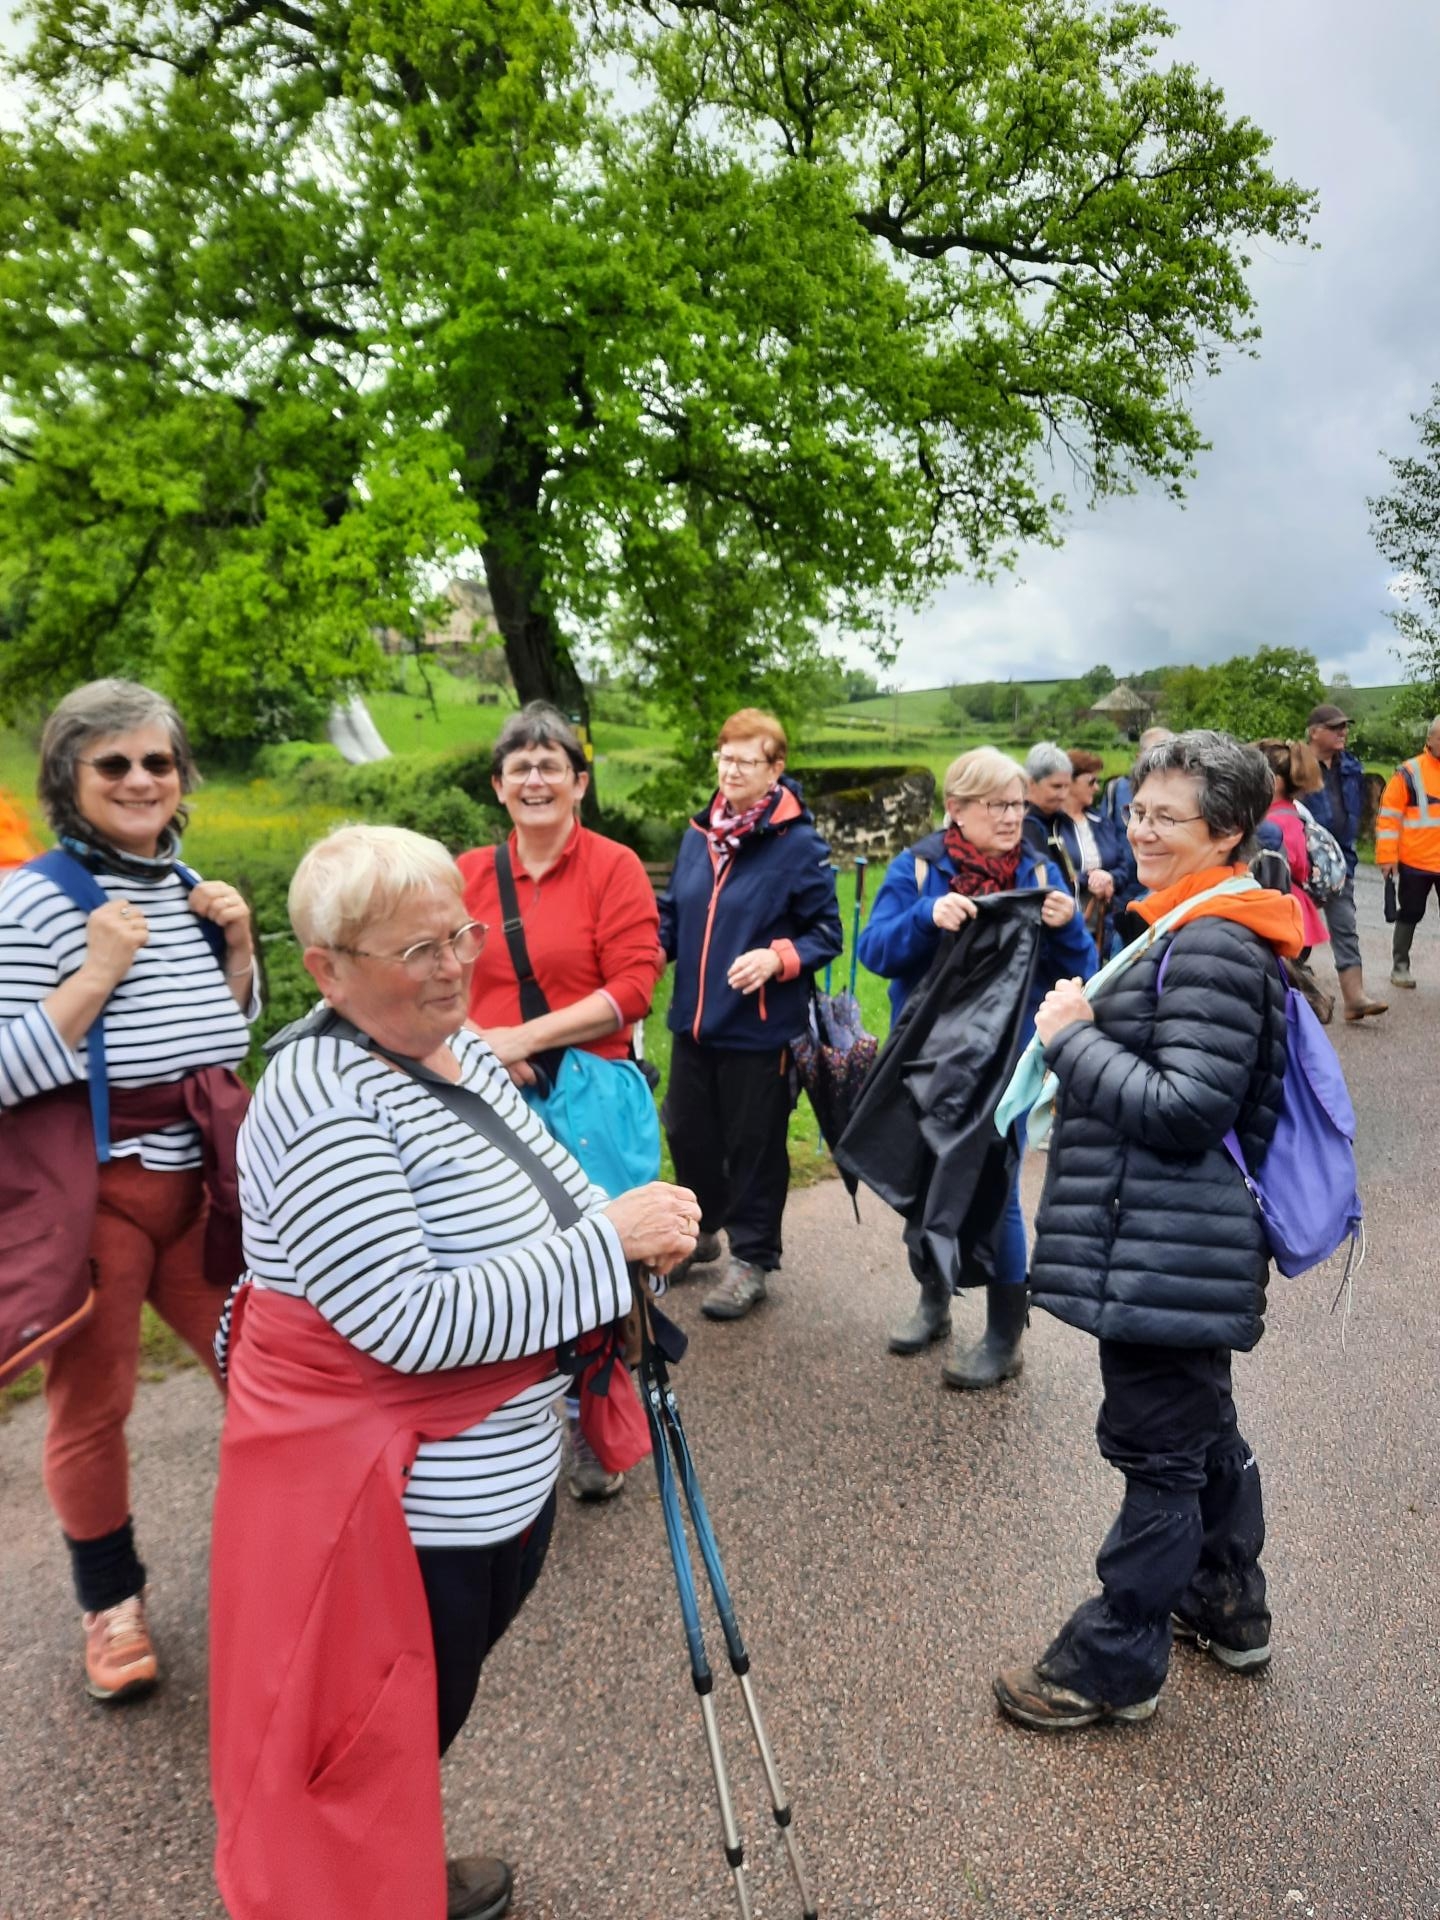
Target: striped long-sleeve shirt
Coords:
[(428, 1248), (172, 1013)]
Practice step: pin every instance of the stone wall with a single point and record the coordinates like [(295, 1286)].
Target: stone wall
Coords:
[(875, 811)]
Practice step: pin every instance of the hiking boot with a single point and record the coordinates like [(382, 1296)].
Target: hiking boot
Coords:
[(996, 1356), (708, 1249), (1026, 1696), (742, 1288), (477, 1888), (1252, 1659), (1400, 974), (586, 1478), (929, 1322), (1359, 1005), (120, 1661)]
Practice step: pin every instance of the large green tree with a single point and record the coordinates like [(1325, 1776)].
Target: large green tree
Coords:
[(713, 325), (1268, 693), (1406, 526)]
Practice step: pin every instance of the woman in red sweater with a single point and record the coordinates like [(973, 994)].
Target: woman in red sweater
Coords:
[(589, 933), (1297, 772)]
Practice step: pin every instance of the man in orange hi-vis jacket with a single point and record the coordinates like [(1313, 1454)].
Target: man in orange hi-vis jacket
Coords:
[(17, 843), (1407, 845)]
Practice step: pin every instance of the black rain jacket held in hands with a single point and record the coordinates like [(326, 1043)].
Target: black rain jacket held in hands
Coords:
[(1146, 1233)]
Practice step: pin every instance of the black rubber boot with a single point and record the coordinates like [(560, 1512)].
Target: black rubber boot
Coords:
[(928, 1323), (996, 1356), (1402, 941)]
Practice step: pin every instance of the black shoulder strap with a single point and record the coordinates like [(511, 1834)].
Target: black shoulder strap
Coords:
[(475, 1111), (533, 1004)]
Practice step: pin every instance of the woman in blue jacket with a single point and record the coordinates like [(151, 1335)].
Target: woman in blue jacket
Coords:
[(749, 915), (929, 890)]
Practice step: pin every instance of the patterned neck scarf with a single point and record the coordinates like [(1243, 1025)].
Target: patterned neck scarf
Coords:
[(100, 857), (728, 828), (977, 873)]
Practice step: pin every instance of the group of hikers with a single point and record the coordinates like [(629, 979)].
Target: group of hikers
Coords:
[(443, 1196)]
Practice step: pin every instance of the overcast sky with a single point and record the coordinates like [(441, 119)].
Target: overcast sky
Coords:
[(1273, 545)]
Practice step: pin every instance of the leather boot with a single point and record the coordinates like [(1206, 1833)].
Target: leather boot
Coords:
[(996, 1356), (1358, 1004), (929, 1322)]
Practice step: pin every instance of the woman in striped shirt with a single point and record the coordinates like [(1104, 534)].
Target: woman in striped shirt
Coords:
[(417, 1247), (114, 765)]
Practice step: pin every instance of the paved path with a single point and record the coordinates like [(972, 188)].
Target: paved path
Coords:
[(889, 1543)]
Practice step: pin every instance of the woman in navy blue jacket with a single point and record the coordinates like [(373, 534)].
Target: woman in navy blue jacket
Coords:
[(749, 915), (929, 890)]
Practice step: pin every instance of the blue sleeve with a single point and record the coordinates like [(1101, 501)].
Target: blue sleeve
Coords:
[(900, 935), (1068, 952), (820, 936), (666, 933)]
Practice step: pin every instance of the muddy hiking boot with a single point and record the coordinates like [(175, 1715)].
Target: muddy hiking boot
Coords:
[(708, 1249), (996, 1356), (1246, 1650), (1028, 1698), (731, 1298), (928, 1323), (584, 1475)]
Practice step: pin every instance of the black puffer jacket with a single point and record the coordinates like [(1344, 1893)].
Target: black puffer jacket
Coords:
[(1146, 1231)]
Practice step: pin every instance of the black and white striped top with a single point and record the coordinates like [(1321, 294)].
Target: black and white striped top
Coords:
[(173, 1011), (427, 1248)]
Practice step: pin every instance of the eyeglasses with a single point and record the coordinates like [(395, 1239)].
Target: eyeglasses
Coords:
[(997, 809), (423, 959), (1142, 817), (732, 763), (552, 772), (115, 766)]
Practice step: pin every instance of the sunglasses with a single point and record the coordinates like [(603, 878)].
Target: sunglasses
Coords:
[(115, 766)]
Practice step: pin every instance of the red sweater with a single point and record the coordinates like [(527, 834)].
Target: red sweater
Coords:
[(591, 926)]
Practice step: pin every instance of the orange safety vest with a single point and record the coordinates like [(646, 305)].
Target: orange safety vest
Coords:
[(17, 843), (1407, 829)]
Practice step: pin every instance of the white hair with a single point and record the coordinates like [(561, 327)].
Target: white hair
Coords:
[(358, 875), (1045, 760)]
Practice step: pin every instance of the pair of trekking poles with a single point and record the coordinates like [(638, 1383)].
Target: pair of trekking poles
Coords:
[(675, 1472)]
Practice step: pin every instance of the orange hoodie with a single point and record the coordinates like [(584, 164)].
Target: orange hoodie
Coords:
[(1274, 916)]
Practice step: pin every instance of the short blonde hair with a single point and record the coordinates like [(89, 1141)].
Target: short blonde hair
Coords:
[(751, 723), (978, 772), (358, 875)]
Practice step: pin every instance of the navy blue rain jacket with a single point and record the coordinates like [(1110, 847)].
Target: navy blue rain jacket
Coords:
[(900, 939), (1352, 788), (777, 889)]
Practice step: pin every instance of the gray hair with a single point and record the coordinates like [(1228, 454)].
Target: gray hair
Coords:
[(1152, 736), (1045, 760), (358, 875), (537, 725), (90, 713), (1233, 783)]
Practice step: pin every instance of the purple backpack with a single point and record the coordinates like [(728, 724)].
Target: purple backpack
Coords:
[(1306, 1189)]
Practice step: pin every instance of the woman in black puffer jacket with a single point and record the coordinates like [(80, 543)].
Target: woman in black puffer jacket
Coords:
[(1148, 1238)]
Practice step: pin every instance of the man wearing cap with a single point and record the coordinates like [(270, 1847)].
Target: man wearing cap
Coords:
[(1407, 845), (1338, 806)]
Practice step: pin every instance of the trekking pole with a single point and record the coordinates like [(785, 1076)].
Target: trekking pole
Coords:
[(665, 1420), (833, 869), (860, 865)]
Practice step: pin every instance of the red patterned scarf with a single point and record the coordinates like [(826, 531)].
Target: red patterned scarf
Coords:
[(977, 873), (728, 828)]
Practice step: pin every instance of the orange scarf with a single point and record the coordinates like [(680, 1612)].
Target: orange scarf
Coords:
[(1274, 916)]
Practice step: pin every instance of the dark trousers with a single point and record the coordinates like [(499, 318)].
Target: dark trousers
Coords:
[(473, 1594), (1189, 1532), (1413, 888), (726, 1114)]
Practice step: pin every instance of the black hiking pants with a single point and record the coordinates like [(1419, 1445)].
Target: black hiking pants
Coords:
[(726, 1114), (1189, 1532)]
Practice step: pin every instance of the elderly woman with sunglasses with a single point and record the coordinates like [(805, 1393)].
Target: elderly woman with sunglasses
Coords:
[(931, 889), (168, 964), (418, 1247)]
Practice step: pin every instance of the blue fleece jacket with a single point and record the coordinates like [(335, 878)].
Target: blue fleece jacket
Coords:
[(777, 890), (1352, 791), (900, 938)]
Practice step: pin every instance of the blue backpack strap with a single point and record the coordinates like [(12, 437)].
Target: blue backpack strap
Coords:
[(214, 936), (84, 891)]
